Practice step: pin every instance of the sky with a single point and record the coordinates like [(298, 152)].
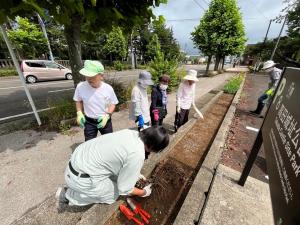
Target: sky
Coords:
[(184, 15)]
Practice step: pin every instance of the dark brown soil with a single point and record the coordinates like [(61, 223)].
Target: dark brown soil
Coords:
[(173, 177), (240, 140)]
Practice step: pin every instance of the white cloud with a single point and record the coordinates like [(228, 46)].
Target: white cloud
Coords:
[(256, 15)]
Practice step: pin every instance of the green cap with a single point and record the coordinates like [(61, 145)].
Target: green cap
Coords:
[(91, 68)]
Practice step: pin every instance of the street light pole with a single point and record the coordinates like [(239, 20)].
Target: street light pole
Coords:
[(13, 56), (279, 36), (45, 34)]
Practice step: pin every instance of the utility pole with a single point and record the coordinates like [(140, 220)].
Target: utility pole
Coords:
[(267, 32), (13, 56), (279, 36), (45, 34), (132, 53)]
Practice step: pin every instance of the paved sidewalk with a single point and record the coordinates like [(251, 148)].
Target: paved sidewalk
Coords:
[(231, 204), (32, 163)]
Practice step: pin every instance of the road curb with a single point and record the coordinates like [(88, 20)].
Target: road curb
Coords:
[(194, 204)]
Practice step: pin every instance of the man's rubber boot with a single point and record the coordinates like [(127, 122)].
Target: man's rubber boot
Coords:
[(259, 108)]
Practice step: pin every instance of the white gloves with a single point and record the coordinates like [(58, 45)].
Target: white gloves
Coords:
[(147, 190), (142, 177), (178, 106)]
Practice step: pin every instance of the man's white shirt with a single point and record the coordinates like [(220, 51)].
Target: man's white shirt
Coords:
[(95, 100)]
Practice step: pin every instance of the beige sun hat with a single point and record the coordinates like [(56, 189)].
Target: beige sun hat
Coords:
[(268, 64), (91, 68), (191, 75)]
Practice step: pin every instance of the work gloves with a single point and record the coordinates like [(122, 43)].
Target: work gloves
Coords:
[(142, 177), (155, 114), (178, 108), (270, 92), (140, 121), (102, 121), (80, 119), (147, 190)]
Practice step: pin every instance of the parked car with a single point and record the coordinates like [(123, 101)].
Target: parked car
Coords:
[(36, 70)]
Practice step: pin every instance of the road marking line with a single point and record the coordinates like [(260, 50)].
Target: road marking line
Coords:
[(10, 87), (24, 114), (252, 128), (66, 89), (36, 85)]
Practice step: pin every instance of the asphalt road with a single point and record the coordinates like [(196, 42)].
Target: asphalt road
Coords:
[(13, 100)]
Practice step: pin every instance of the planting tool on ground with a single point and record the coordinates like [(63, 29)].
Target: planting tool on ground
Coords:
[(129, 214), (137, 209)]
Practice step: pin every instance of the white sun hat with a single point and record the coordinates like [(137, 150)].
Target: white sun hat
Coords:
[(268, 64), (191, 75)]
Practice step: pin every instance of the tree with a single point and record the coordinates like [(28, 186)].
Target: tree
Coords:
[(115, 45), (169, 45), (93, 14), (153, 47), (221, 31), (28, 39)]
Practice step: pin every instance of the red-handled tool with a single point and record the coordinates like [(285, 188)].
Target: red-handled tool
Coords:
[(129, 214), (137, 209)]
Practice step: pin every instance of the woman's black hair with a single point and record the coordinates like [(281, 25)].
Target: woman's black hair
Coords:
[(155, 138)]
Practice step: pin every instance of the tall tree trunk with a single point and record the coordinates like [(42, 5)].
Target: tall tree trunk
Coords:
[(223, 62), (208, 63), (217, 62), (72, 34)]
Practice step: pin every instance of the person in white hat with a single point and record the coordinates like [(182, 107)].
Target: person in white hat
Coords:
[(95, 101), (275, 74), (139, 110), (186, 99)]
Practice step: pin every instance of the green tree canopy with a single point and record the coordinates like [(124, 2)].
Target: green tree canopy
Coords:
[(153, 47), (28, 39), (221, 30), (115, 45)]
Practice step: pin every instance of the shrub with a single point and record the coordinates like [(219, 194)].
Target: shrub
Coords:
[(118, 66), (123, 92), (160, 66), (141, 67), (233, 84), (8, 72), (61, 109)]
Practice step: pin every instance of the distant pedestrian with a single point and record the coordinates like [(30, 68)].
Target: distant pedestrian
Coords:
[(102, 169), (186, 99), (139, 111), (159, 100), (95, 101), (275, 75)]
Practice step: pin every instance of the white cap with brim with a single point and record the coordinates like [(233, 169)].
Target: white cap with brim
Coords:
[(268, 64), (191, 75), (145, 78), (92, 68)]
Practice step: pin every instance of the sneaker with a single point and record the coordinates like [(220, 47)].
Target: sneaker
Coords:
[(61, 195)]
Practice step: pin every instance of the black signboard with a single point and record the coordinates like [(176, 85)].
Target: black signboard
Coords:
[(281, 140)]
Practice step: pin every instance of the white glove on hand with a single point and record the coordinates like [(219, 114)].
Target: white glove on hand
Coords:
[(178, 109), (147, 190), (142, 177)]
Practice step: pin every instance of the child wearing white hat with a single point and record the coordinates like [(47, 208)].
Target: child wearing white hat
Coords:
[(186, 99)]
